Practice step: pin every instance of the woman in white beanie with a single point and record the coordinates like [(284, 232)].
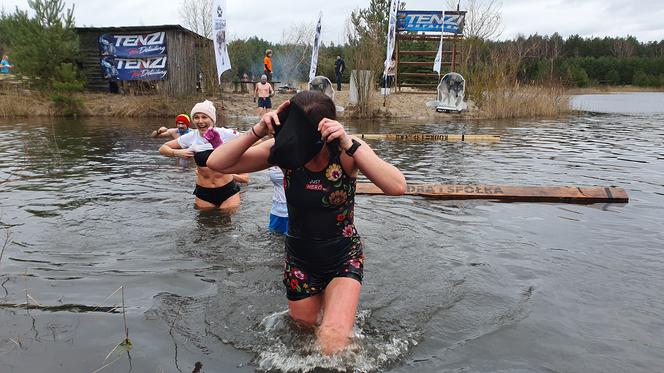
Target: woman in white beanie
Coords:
[(213, 189)]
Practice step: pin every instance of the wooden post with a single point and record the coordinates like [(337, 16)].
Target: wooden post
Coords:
[(454, 53), (396, 73), (564, 194)]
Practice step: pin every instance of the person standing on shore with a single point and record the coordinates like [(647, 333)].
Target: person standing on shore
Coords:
[(324, 260), (263, 92), (267, 65), (181, 128), (339, 67), (5, 65)]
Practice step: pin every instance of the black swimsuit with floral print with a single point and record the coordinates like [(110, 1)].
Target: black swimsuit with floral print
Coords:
[(322, 241)]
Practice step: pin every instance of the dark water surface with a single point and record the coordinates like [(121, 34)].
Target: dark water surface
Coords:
[(475, 286)]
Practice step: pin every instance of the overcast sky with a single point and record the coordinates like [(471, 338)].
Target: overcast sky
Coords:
[(268, 19)]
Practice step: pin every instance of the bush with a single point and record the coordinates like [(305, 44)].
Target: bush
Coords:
[(65, 84), (41, 43)]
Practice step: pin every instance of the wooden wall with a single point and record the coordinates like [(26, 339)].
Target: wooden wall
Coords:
[(181, 47)]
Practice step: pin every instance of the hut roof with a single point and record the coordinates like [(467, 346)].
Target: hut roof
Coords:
[(118, 29)]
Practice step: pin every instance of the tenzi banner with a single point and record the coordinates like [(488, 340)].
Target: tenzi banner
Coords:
[(150, 68), (133, 46), (431, 21)]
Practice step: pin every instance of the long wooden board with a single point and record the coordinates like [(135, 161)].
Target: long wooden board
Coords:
[(566, 194), (427, 137)]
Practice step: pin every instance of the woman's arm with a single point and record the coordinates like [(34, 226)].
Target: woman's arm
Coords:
[(239, 156), (172, 149), (241, 178), (387, 177)]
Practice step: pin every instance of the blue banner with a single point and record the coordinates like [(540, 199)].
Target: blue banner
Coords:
[(133, 46), (430, 21), (150, 68)]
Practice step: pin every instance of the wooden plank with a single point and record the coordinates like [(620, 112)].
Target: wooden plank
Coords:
[(424, 74), (567, 194), (427, 53), (419, 63), (427, 137)]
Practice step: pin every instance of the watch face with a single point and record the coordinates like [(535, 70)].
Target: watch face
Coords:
[(353, 148)]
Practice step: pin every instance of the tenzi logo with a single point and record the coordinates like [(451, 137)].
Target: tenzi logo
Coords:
[(156, 38), (142, 63), (431, 21)]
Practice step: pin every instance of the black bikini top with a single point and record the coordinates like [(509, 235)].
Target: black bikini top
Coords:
[(201, 157)]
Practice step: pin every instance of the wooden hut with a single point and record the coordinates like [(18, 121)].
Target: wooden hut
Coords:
[(183, 47)]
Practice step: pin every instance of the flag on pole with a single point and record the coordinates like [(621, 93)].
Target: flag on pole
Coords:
[(314, 51), (439, 56), (391, 35), (219, 37)]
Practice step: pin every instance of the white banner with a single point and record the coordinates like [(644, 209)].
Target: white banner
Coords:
[(219, 37), (314, 51), (391, 34), (439, 55)]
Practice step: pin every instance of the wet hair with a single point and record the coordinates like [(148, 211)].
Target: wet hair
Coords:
[(316, 105)]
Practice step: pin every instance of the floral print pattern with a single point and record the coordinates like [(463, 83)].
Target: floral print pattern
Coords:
[(333, 172), (338, 197), (300, 285)]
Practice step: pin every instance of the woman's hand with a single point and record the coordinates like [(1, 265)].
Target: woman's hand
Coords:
[(269, 120), (331, 130), (183, 153), (213, 137)]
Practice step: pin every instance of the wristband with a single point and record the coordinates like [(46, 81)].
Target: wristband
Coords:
[(351, 151)]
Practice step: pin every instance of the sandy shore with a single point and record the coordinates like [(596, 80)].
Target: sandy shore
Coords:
[(16, 102), (396, 105)]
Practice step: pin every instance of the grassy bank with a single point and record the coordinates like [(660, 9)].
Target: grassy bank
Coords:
[(497, 103), (524, 102)]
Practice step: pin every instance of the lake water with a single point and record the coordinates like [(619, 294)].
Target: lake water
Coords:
[(473, 286)]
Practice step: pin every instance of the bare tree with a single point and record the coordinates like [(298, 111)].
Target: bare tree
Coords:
[(483, 18), (483, 21), (197, 16), (295, 49)]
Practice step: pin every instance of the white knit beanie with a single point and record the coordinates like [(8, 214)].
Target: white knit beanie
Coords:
[(206, 107)]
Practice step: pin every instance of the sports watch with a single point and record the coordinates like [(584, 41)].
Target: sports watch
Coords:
[(356, 144)]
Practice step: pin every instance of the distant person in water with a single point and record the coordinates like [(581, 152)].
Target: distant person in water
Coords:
[(182, 122), (324, 260), (213, 189), (279, 211), (263, 92)]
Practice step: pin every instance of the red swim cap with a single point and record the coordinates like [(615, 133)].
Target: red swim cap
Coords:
[(182, 118)]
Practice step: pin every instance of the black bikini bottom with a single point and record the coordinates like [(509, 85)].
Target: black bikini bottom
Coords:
[(217, 196)]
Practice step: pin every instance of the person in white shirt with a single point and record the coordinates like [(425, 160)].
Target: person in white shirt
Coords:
[(213, 189), (279, 210)]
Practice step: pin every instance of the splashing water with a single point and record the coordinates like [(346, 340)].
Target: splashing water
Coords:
[(290, 348)]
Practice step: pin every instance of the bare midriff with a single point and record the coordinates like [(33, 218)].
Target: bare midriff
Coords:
[(208, 178)]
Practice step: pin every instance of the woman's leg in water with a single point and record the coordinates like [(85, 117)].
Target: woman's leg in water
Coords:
[(340, 300), (306, 311), (232, 204)]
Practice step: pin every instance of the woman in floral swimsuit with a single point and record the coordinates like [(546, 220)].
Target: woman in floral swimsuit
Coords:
[(324, 258)]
